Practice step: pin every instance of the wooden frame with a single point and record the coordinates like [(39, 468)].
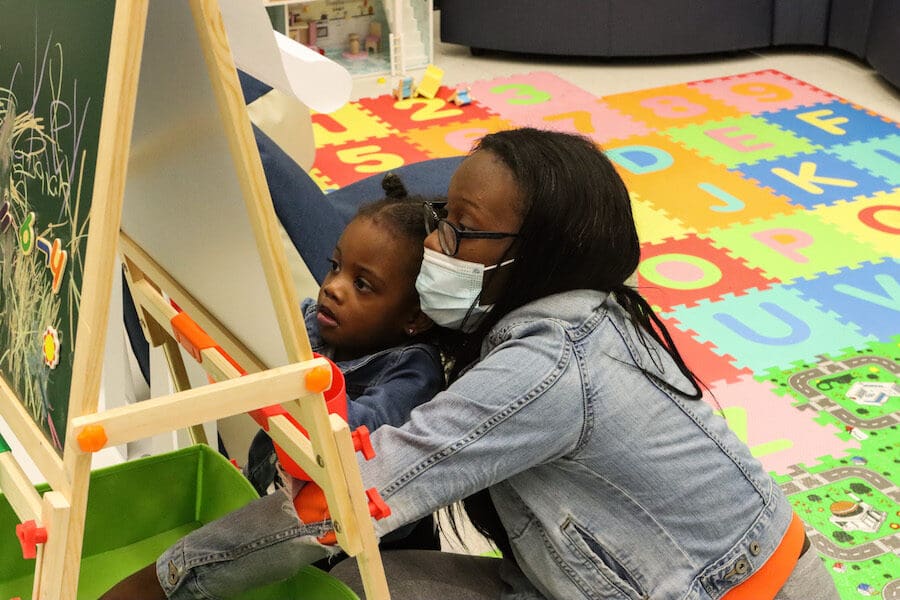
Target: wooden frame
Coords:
[(327, 456)]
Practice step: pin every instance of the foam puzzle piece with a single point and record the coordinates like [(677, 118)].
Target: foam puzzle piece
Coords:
[(350, 123), (654, 225), (351, 162), (689, 187), (685, 271), (762, 91), (322, 180), (773, 327), (815, 178), (671, 106), (874, 221), (789, 247), (740, 140), (547, 101), (867, 296), (707, 361), (779, 435), (832, 123), (879, 156), (417, 113), (453, 139)]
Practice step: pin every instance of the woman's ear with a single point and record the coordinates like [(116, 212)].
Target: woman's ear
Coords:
[(418, 323)]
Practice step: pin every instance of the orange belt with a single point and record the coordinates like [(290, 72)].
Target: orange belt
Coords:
[(771, 577)]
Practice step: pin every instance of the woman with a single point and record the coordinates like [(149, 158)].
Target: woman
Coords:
[(572, 424)]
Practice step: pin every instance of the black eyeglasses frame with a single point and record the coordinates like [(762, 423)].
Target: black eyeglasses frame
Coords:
[(450, 245)]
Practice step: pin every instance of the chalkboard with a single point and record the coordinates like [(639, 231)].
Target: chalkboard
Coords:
[(52, 82)]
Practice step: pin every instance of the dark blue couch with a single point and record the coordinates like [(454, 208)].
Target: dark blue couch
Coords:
[(869, 29)]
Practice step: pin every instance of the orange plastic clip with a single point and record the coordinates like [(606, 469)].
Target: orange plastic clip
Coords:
[(92, 438), (318, 379), (191, 336)]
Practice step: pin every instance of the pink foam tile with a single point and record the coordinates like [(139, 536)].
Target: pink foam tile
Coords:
[(546, 101), (763, 91), (519, 97), (784, 435), (596, 120)]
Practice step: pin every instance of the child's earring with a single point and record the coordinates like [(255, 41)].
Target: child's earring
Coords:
[(411, 331)]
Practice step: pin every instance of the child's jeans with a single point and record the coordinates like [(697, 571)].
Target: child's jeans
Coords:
[(258, 544)]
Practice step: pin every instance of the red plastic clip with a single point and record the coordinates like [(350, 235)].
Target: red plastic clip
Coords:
[(30, 535), (362, 442), (378, 508)]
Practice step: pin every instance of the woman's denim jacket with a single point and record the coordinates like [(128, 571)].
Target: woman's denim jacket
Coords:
[(609, 484)]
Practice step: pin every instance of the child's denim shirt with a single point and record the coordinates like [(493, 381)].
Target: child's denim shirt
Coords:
[(384, 387)]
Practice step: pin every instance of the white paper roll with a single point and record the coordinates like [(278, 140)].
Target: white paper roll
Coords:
[(279, 61)]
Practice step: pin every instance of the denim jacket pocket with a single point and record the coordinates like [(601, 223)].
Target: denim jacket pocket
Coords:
[(605, 574)]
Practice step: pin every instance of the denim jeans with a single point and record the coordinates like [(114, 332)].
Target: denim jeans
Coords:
[(254, 546)]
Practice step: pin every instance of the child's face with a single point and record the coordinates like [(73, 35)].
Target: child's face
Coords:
[(368, 300)]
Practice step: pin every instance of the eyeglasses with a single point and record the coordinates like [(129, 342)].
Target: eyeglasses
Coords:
[(448, 235)]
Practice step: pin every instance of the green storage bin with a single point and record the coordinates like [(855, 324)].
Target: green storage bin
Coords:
[(138, 509)]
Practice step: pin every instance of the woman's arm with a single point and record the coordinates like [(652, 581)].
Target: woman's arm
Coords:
[(521, 405)]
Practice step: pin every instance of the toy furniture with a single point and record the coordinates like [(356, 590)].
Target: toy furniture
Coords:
[(373, 40), (868, 29), (404, 88), (460, 97), (430, 83)]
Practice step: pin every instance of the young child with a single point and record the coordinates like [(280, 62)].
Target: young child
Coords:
[(367, 320)]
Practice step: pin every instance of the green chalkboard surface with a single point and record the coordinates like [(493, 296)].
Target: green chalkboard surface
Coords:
[(53, 61)]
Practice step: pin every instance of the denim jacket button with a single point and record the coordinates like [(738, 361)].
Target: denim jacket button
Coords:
[(741, 566), (173, 573), (755, 548)]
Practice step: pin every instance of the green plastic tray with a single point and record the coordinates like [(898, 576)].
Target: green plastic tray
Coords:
[(138, 509)]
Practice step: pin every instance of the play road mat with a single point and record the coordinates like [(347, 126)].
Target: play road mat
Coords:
[(769, 214)]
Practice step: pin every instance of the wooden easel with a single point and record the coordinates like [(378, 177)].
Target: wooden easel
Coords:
[(328, 456)]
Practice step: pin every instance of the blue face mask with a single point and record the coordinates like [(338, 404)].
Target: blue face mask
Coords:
[(449, 289)]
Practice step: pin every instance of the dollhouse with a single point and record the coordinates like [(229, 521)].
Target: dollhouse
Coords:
[(367, 37)]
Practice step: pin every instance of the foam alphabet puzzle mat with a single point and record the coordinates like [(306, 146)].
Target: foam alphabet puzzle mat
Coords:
[(769, 215)]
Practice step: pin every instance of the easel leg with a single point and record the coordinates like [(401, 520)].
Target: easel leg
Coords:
[(49, 568), (66, 578), (371, 569)]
